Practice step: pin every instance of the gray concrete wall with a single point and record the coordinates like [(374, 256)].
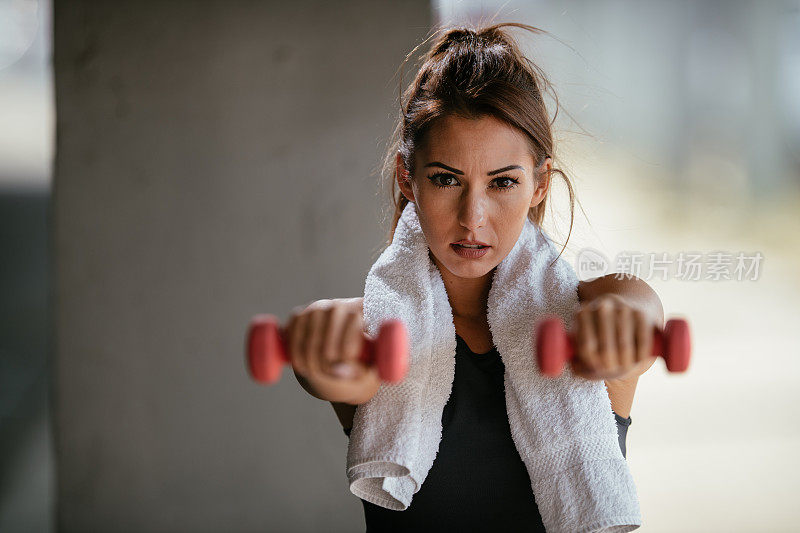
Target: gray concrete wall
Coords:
[(214, 160)]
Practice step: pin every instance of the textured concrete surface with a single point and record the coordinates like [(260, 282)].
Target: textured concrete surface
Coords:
[(214, 160)]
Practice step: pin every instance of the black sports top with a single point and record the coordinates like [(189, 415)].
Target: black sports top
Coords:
[(477, 481)]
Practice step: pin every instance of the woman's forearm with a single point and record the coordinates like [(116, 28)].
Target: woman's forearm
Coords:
[(354, 392)]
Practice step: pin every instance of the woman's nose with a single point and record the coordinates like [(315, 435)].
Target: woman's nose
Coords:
[(472, 214)]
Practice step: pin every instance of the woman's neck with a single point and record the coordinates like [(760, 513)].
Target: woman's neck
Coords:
[(468, 296)]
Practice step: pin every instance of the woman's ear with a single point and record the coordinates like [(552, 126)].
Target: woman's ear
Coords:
[(542, 181), (403, 178)]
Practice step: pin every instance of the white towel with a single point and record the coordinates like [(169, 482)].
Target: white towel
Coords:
[(563, 428)]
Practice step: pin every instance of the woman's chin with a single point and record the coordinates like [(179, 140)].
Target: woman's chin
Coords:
[(470, 269)]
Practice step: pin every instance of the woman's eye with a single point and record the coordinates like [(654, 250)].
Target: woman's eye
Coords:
[(507, 183), (441, 180)]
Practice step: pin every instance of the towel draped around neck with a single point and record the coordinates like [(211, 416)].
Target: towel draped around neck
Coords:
[(563, 428)]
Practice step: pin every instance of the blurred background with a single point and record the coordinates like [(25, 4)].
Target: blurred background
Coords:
[(169, 169)]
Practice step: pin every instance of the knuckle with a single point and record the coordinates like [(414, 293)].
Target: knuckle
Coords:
[(356, 316), (294, 319), (605, 305), (319, 304), (585, 317)]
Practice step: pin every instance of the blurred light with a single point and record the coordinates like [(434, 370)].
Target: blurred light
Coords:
[(19, 22)]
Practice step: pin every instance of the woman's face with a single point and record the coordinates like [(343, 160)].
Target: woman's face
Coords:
[(473, 180)]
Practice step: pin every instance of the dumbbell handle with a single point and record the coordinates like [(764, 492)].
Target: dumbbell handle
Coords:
[(554, 346), (267, 351)]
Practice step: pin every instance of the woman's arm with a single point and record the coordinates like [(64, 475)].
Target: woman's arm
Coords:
[(635, 294), (633, 291)]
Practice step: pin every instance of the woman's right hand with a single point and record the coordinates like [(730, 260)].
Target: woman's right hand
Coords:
[(324, 341)]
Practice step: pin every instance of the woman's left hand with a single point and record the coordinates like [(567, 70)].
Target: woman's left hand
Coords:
[(613, 339)]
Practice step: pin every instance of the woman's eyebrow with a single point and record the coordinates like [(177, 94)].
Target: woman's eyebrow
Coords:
[(499, 170), (456, 171), (442, 165)]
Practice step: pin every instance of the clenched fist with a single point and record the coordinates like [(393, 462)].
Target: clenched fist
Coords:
[(324, 341), (613, 339)]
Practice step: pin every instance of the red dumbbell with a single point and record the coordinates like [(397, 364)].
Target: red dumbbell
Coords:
[(267, 353), (554, 346)]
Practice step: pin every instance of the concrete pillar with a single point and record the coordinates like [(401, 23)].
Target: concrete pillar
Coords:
[(214, 160)]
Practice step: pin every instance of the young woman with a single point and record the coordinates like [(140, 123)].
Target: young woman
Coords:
[(474, 151)]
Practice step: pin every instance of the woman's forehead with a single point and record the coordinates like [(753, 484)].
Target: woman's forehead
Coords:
[(485, 141), (452, 131)]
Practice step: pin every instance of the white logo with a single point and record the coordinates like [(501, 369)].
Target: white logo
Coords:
[(591, 264)]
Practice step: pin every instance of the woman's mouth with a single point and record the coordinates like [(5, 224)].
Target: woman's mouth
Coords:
[(470, 251)]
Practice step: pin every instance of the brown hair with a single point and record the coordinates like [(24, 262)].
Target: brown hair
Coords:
[(472, 72)]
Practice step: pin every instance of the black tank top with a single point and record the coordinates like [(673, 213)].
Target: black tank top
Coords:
[(478, 481)]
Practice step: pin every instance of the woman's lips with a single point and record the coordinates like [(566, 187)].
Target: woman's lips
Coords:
[(469, 253)]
